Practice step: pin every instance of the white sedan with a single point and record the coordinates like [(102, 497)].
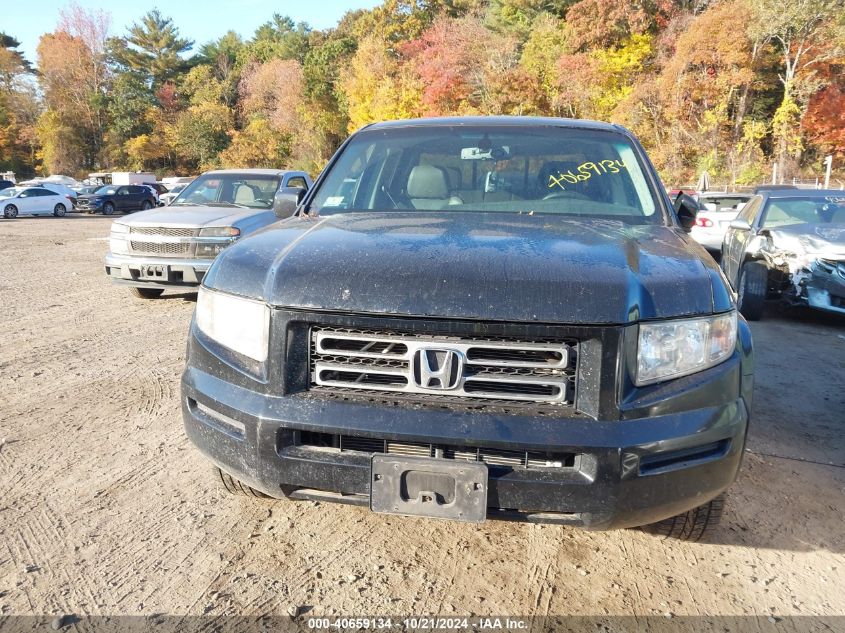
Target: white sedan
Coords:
[(717, 211), (170, 196), (16, 201)]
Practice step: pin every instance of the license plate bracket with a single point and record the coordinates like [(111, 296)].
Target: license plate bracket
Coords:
[(155, 272), (436, 488)]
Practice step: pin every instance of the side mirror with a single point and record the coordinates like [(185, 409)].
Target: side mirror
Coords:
[(687, 209), (287, 200), (740, 225)]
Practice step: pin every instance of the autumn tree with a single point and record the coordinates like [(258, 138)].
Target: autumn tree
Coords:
[(258, 144), (74, 78), (703, 81), (807, 34), (378, 86), (547, 43), (461, 67), (518, 17), (18, 108), (597, 23), (824, 120)]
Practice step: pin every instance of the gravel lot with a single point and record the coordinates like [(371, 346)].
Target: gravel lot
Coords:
[(106, 509)]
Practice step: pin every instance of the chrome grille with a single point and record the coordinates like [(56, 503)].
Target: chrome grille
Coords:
[(491, 456), (162, 230), (471, 368), (159, 248)]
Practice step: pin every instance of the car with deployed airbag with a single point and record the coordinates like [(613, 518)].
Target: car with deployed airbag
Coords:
[(471, 319)]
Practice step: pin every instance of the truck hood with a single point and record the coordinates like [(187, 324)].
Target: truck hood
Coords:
[(475, 266), (189, 216)]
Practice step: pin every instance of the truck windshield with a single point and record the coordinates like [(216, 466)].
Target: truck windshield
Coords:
[(543, 170), (231, 190)]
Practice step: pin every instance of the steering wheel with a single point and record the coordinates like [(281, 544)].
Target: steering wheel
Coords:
[(565, 194)]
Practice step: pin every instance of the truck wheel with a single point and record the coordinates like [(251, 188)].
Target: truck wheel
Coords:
[(751, 291), (147, 293), (237, 487), (59, 210), (108, 208), (146, 205), (11, 211), (691, 525)]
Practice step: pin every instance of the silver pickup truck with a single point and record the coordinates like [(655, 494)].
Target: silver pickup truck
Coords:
[(173, 246)]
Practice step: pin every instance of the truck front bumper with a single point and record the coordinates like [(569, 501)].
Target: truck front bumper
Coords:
[(155, 272), (618, 473)]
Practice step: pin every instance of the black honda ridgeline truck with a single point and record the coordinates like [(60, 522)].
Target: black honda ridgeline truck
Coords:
[(477, 318)]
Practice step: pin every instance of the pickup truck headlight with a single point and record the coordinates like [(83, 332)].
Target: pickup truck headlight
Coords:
[(117, 239), (220, 231), (241, 325), (224, 236), (671, 349)]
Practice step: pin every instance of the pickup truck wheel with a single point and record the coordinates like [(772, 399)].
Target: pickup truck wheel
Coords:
[(11, 211), (146, 205), (692, 525), (108, 208), (147, 293), (237, 487), (59, 210), (751, 291)]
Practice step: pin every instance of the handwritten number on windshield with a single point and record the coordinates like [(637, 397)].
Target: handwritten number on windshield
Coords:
[(585, 171)]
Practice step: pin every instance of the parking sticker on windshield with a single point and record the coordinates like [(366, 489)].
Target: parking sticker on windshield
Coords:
[(334, 201)]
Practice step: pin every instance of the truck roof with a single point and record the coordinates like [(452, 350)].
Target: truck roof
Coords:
[(256, 172), (521, 121)]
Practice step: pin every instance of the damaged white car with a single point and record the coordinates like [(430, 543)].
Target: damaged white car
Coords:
[(788, 245)]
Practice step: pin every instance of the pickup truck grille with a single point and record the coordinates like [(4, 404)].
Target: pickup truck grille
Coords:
[(160, 240), (159, 248), (431, 367), (165, 231)]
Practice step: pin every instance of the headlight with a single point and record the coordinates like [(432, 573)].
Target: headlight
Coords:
[(678, 348), (241, 325), (224, 236), (117, 240), (220, 231)]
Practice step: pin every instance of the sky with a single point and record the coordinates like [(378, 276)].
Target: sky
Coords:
[(199, 20)]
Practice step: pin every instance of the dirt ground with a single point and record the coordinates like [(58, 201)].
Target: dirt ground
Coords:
[(106, 509)]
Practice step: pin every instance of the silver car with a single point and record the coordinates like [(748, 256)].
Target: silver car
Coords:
[(173, 246)]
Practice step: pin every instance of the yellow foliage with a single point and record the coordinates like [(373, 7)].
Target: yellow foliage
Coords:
[(618, 69), (377, 88), (257, 145)]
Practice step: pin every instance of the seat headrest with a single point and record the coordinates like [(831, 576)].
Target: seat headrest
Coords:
[(426, 181)]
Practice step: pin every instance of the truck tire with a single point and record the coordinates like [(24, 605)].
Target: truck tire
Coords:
[(752, 289), (236, 486), (108, 208), (692, 525), (147, 293)]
